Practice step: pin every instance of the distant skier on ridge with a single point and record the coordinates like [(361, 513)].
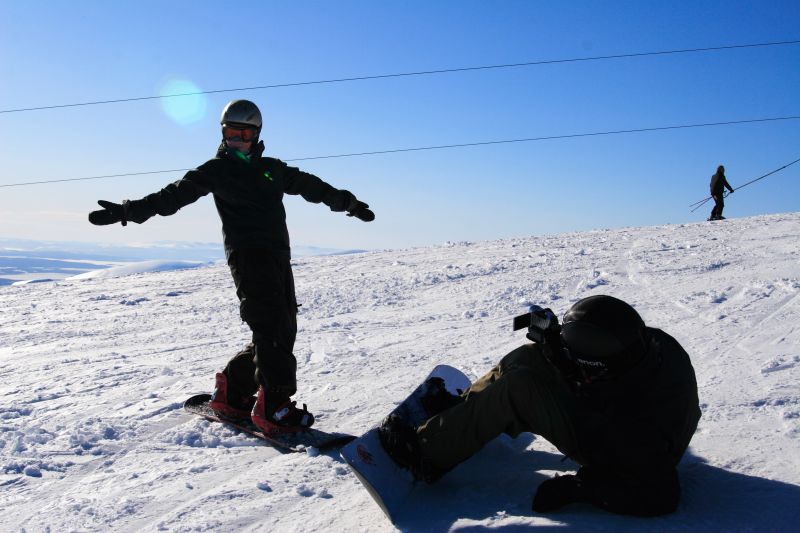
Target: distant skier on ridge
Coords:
[(248, 191), (718, 186)]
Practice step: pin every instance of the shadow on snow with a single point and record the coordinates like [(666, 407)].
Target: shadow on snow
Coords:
[(499, 483)]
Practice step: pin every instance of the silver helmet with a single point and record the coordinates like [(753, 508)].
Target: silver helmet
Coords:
[(241, 112)]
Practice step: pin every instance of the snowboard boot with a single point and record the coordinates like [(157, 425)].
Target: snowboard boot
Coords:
[(437, 398), (275, 414), (228, 404), (400, 441)]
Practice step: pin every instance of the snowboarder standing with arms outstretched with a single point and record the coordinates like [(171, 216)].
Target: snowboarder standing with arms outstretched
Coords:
[(248, 191), (718, 186)]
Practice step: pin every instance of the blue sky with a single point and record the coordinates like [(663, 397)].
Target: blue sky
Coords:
[(58, 53)]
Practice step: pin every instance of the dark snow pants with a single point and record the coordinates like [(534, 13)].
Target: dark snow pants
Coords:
[(719, 205), (524, 393), (265, 287)]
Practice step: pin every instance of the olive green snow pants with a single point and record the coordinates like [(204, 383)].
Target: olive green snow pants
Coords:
[(523, 393)]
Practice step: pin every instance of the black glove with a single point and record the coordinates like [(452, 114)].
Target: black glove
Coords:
[(557, 492), (358, 209), (110, 214)]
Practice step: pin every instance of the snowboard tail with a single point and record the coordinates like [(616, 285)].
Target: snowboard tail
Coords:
[(388, 483), (290, 442)]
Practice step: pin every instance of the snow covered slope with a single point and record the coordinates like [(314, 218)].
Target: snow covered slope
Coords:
[(93, 373)]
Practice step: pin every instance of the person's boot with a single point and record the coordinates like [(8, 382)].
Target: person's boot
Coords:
[(436, 398), (227, 403), (275, 414), (400, 441)]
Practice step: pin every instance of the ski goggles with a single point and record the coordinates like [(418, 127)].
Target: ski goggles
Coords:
[(239, 133)]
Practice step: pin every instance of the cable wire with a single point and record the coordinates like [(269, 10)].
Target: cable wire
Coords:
[(547, 138), (408, 74), (698, 204), (439, 147)]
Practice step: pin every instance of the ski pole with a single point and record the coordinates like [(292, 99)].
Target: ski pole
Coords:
[(700, 204)]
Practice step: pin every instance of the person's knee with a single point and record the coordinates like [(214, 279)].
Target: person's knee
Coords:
[(538, 402), (258, 311), (523, 357)]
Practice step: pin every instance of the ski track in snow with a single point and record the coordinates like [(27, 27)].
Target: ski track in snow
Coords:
[(93, 374)]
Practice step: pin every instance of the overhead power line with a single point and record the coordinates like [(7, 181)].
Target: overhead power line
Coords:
[(441, 147), (408, 74), (700, 203), (549, 138)]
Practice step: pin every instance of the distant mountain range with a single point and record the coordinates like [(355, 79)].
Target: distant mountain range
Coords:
[(25, 260)]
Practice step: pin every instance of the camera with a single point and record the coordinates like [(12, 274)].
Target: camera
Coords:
[(542, 324)]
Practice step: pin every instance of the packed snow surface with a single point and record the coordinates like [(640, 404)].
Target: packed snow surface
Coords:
[(93, 373)]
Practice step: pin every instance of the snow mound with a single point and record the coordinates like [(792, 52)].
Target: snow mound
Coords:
[(141, 267)]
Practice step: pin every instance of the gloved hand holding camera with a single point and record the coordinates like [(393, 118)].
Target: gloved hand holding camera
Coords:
[(542, 324)]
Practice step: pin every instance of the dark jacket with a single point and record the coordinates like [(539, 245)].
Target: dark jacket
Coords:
[(718, 181), (248, 196), (632, 431)]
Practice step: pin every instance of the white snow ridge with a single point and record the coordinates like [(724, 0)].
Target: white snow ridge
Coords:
[(93, 374)]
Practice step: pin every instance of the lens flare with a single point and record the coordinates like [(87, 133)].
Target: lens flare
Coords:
[(183, 109)]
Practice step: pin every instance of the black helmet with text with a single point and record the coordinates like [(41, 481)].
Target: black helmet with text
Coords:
[(603, 336)]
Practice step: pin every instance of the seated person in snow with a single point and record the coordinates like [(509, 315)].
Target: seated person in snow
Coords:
[(248, 191), (617, 397)]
